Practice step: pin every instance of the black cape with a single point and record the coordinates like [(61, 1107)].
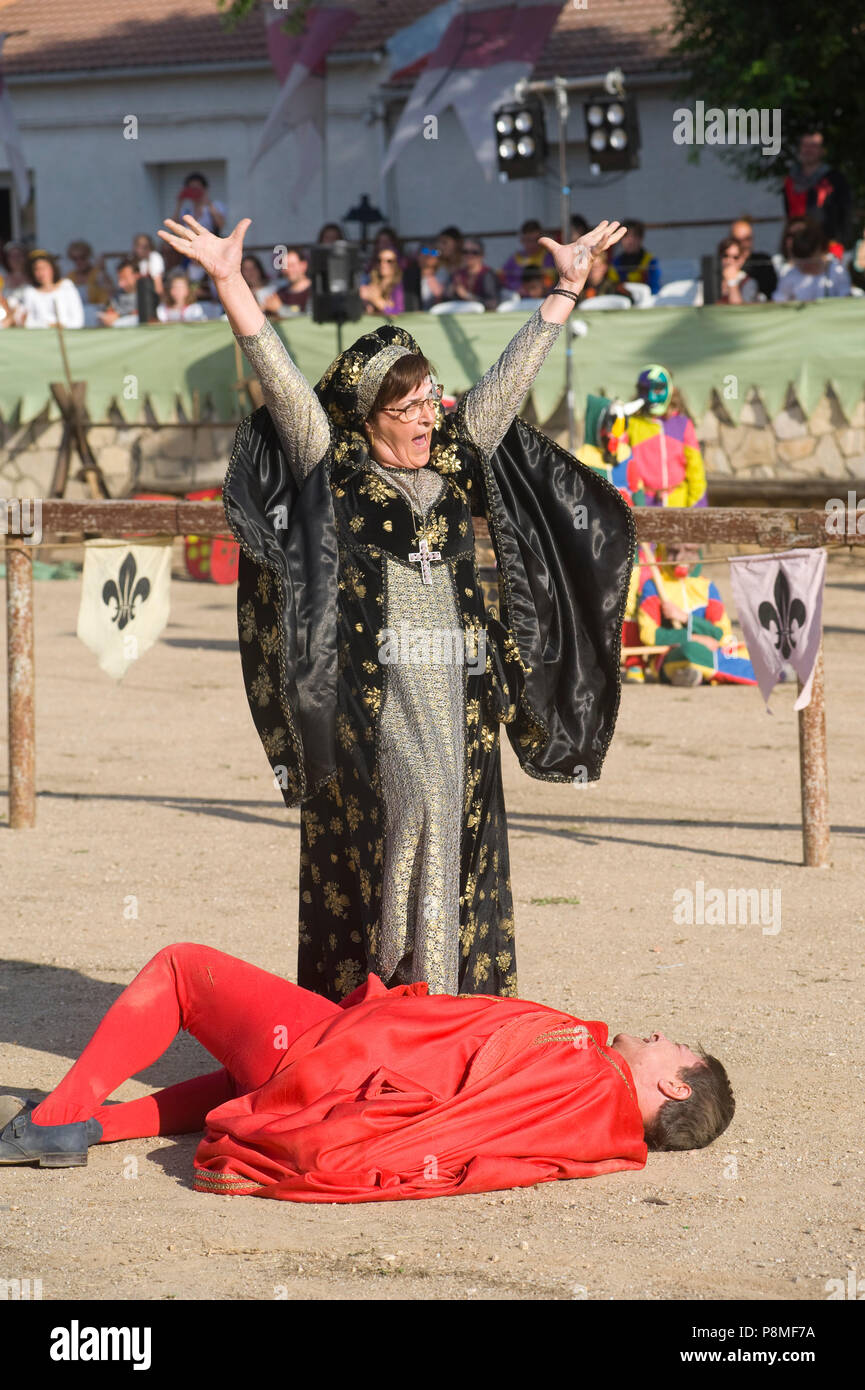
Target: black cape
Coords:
[(564, 542)]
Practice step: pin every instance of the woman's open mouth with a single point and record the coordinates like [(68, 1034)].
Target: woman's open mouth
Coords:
[(419, 440)]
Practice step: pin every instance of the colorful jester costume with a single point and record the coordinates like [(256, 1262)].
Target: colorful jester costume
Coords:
[(690, 662), (349, 571)]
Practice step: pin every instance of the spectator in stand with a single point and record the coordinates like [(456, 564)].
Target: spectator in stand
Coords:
[(450, 249), (92, 281), (122, 309), (813, 189), (385, 239), (179, 304), (784, 259), (814, 273), (857, 263), (579, 227), (533, 284), (13, 263), (195, 198), (149, 261), (383, 292), (633, 261), (264, 290), (474, 279), (532, 254), (602, 279), (736, 286), (294, 295), (329, 233), (49, 298), (431, 287), (757, 264)]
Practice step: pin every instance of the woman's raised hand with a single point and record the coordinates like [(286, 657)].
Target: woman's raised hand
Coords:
[(574, 260), (219, 256)]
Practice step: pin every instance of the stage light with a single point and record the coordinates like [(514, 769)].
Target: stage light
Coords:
[(521, 141), (613, 134)]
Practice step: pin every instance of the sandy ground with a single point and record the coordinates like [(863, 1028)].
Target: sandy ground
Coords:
[(159, 787)]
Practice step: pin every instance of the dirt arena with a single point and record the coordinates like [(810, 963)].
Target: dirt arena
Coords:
[(158, 787)]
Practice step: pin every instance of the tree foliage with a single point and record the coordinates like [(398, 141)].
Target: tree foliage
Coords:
[(804, 59)]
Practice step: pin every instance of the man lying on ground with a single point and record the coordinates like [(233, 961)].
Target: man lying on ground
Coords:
[(390, 1094)]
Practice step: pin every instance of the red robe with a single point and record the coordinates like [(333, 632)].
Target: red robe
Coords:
[(405, 1094)]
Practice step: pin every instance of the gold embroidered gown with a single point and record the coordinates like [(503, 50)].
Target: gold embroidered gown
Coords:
[(404, 862)]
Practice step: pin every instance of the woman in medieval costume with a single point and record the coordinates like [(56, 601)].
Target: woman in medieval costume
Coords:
[(353, 506)]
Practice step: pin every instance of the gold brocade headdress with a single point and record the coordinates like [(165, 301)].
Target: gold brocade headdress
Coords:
[(351, 383)]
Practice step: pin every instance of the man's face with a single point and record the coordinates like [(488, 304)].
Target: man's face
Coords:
[(126, 278), (744, 234), (295, 268), (533, 287), (447, 247), (655, 1061), (631, 242), (530, 240), (810, 150)]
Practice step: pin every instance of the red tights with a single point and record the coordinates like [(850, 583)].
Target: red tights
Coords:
[(245, 1017)]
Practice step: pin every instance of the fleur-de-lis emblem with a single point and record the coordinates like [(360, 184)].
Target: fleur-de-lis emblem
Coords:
[(787, 616), (128, 594)]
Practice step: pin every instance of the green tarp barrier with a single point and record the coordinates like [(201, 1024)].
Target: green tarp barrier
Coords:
[(727, 350)]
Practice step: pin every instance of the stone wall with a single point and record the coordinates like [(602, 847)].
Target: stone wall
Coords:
[(133, 458), (180, 459)]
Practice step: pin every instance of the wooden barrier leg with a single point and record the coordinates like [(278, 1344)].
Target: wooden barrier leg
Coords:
[(813, 773), (21, 670)]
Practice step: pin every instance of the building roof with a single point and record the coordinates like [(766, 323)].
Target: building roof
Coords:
[(101, 34)]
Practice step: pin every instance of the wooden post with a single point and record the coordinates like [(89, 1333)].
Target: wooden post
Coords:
[(22, 683), (813, 773)]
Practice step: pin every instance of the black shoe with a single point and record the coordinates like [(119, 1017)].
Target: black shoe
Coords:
[(51, 1146)]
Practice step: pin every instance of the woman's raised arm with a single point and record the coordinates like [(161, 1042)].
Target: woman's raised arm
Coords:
[(490, 405), (298, 415)]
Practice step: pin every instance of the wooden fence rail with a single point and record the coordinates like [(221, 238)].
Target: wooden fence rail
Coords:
[(26, 529)]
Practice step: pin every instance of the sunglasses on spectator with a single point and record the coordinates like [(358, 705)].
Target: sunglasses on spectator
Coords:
[(429, 251)]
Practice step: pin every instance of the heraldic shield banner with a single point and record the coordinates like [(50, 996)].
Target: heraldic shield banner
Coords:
[(125, 599), (780, 603)]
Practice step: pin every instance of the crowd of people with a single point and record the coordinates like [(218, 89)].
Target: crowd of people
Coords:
[(151, 284)]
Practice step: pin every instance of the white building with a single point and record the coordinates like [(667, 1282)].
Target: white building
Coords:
[(116, 103)]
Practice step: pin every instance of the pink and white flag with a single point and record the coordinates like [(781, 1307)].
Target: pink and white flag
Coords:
[(780, 603), (485, 49), (11, 138), (299, 61)]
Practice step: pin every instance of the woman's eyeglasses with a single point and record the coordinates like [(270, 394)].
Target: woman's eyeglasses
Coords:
[(409, 413)]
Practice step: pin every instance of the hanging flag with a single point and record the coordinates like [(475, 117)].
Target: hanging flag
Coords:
[(408, 46), (299, 61), (125, 599), (11, 139), (485, 49), (780, 603)]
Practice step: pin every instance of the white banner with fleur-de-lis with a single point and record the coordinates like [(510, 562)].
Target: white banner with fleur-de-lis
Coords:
[(125, 599), (780, 603)]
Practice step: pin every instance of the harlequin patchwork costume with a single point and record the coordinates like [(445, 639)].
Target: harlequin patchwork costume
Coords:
[(689, 662), (395, 763)]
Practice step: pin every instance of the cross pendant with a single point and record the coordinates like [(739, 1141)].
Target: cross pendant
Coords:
[(422, 557)]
